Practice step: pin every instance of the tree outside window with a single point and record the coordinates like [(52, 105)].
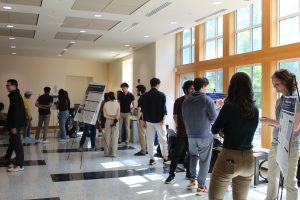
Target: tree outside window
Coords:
[(188, 46), (214, 38)]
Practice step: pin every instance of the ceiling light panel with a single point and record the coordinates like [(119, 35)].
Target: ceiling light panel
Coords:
[(17, 33), (18, 18), (124, 7), (85, 23), (77, 36), (24, 2)]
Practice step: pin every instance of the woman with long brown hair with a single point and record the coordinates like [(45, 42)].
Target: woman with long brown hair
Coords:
[(237, 122), (284, 82)]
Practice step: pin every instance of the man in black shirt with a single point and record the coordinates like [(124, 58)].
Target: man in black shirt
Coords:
[(126, 99), (154, 111), (44, 103), (16, 120), (141, 89)]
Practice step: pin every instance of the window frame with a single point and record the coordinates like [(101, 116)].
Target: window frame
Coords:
[(250, 28), (191, 46), (218, 90), (215, 38)]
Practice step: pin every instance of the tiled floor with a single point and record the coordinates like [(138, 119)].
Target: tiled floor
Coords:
[(70, 174)]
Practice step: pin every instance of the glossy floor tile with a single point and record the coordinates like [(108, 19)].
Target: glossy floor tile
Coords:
[(59, 171)]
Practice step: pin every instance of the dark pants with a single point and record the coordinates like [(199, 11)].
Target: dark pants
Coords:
[(92, 129), (181, 145), (15, 144)]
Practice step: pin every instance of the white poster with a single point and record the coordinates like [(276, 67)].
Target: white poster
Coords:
[(88, 111), (287, 118)]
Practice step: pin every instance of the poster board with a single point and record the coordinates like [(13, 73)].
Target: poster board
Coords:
[(88, 111), (287, 118)]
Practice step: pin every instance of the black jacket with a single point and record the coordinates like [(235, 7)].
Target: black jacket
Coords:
[(16, 116), (154, 106)]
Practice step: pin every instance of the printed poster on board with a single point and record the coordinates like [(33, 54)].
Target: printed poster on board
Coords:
[(88, 111), (287, 118)]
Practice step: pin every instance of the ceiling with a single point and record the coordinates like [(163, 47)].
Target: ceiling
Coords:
[(102, 30)]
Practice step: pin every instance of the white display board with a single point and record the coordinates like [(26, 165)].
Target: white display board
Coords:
[(88, 111), (287, 118)]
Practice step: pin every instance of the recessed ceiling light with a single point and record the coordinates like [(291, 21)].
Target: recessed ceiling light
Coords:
[(82, 31), (59, 55), (217, 2), (113, 52), (173, 23), (126, 45), (96, 15), (65, 49), (13, 53), (146, 36), (13, 47), (7, 7), (72, 42), (12, 38), (9, 26)]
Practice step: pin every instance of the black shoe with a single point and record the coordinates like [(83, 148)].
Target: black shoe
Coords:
[(139, 154), (169, 179), (152, 162)]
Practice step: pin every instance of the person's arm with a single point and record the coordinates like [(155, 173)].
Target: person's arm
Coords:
[(175, 113), (218, 126), (269, 122), (118, 113), (133, 106), (211, 111), (164, 110)]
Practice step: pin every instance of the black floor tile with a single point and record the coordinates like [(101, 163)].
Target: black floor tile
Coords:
[(76, 150), (26, 163), (109, 174), (51, 198)]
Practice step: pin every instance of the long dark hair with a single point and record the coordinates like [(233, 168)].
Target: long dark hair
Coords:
[(287, 79), (240, 94)]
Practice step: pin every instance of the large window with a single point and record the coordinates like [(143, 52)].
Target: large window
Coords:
[(248, 28), (291, 65), (214, 38), (127, 73), (288, 20), (255, 73), (183, 78), (215, 78), (188, 46)]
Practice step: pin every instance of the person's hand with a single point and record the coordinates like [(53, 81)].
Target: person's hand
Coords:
[(265, 120), (220, 102), (221, 133), (13, 131), (144, 124), (162, 122)]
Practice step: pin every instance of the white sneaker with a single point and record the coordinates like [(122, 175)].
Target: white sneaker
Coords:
[(15, 169), (10, 165), (45, 141), (62, 140)]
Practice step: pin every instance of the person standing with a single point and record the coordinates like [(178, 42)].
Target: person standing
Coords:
[(198, 112), (63, 108), (44, 103), (284, 83), (154, 111), (141, 89), (111, 112), (236, 123), (16, 120), (181, 144), (26, 129), (126, 100)]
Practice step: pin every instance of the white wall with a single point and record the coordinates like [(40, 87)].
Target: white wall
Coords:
[(34, 73), (164, 70)]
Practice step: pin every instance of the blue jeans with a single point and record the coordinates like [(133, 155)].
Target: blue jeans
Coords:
[(200, 151), (62, 119)]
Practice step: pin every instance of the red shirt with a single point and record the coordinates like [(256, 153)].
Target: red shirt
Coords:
[(178, 111)]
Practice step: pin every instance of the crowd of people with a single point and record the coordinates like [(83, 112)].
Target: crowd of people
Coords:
[(196, 119)]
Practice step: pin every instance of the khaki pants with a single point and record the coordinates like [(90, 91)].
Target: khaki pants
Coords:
[(43, 119), (290, 182), (232, 165), (124, 118), (142, 136), (161, 131), (111, 138)]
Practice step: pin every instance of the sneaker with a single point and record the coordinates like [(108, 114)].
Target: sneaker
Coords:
[(167, 162), (201, 190), (169, 179), (15, 169), (187, 177), (93, 149), (62, 140), (37, 141), (152, 162), (45, 142), (139, 154), (11, 165), (192, 185)]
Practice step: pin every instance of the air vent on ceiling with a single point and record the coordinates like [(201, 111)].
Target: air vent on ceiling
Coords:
[(210, 15), (128, 28), (116, 55), (159, 8), (173, 30)]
